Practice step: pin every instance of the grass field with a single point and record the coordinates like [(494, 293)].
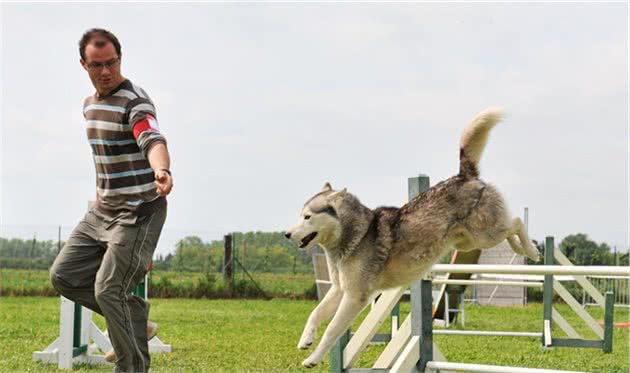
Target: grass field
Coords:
[(278, 284), (36, 282), (260, 336)]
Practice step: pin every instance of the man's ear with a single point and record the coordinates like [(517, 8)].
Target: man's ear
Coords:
[(82, 62)]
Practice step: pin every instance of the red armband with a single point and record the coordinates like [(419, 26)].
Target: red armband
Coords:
[(149, 123)]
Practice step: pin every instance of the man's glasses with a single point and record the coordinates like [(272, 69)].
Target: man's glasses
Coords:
[(95, 66)]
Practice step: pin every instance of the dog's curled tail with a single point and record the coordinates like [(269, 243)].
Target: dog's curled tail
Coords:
[(474, 141)]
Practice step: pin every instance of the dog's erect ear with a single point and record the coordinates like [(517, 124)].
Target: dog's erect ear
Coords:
[(337, 196), (327, 187)]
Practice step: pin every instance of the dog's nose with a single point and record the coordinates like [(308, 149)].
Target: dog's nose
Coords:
[(287, 235)]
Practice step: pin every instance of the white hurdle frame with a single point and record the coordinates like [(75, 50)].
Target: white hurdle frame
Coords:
[(504, 269), (77, 330), (414, 350), (65, 350)]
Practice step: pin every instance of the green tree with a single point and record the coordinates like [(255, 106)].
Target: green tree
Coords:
[(583, 251)]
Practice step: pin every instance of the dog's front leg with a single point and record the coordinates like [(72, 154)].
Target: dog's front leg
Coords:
[(324, 310), (349, 308)]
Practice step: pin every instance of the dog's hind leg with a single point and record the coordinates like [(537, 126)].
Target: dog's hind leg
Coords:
[(525, 247), (463, 240), (349, 308), (324, 310)]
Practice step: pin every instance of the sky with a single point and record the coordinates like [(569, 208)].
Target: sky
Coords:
[(262, 103)]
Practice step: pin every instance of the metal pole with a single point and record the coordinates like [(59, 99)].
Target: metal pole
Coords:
[(422, 320), (227, 259), (76, 335), (421, 297), (336, 353), (481, 368), (59, 240), (609, 311), (547, 293), (502, 269), (485, 333), (489, 282), (526, 217)]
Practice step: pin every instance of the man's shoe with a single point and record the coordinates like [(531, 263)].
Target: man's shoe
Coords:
[(152, 329)]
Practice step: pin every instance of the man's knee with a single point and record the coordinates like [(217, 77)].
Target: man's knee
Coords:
[(58, 282), (105, 295)]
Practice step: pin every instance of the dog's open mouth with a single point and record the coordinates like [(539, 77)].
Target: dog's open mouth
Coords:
[(307, 239)]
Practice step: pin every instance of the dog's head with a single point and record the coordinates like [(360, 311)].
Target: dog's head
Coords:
[(319, 221)]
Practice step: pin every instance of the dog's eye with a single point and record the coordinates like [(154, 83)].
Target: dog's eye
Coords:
[(306, 217)]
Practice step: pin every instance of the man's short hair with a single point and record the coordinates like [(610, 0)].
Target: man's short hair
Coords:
[(91, 33)]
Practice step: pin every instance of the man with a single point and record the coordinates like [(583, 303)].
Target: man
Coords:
[(109, 251)]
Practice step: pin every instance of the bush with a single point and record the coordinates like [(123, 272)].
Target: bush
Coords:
[(205, 287), (311, 293), (575, 289)]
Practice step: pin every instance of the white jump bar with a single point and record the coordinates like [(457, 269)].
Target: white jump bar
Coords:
[(459, 367), (532, 269), (487, 333), (489, 282)]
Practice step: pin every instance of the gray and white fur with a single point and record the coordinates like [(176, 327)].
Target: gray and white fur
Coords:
[(369, 251)]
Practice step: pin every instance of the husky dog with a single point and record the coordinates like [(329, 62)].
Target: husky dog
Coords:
[(368, 251)]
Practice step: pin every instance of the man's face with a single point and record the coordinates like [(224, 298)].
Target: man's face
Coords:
[(102, 65)]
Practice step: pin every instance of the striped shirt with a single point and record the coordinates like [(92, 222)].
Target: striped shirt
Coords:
[(121, 128)]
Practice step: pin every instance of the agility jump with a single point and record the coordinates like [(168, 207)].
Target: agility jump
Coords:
[(80, 338), (412, 348)]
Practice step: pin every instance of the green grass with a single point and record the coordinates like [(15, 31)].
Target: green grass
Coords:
[(20, 282), (25, 282), (260, 336), (279, 284)]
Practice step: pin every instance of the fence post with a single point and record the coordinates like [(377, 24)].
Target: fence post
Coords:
[(395, 314), (227, 260), (548, 294), (422, 320), (336, 353), (421, 291), (609, 311), (76, 330)]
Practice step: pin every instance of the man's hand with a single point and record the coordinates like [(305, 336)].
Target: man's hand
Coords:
[(164, 182)]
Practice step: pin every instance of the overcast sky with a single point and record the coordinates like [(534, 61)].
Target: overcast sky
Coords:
[(263, 103)]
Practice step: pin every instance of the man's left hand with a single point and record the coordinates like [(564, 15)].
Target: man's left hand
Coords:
[(164, 182)]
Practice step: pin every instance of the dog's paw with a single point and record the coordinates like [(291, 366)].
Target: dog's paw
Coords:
[(311, 361), (304, 345), (534, 255), (307, 339), (532, 251)]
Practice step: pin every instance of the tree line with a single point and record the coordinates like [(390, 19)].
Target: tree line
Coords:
[(27, 254), (256, 251), (262, 252)]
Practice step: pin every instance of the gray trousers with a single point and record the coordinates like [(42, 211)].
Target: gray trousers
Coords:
[(101, 263)]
